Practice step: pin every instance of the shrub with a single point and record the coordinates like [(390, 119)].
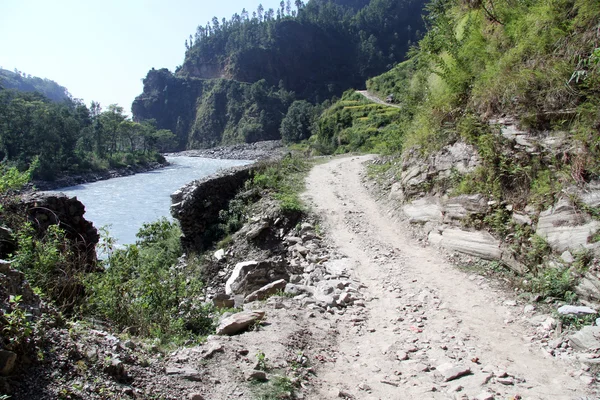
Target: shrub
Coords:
[(145, 289)]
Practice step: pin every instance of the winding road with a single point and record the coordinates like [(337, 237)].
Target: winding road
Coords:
[(427, 329)]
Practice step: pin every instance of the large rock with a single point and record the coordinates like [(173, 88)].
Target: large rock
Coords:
[(8, 360), (266, 291), (423, 210), (239, 322), (250, 276), (460, 207), (587, 339), (576, 310), (565, 227), (417, 173), (479, 244), (588, 289)]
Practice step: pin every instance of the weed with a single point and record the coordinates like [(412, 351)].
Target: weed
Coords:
[(577, 321), (261, 361), (279, 387)]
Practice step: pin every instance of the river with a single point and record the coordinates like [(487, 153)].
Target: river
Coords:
[(124, 204)]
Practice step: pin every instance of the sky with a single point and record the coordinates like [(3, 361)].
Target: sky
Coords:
[(101, 50)]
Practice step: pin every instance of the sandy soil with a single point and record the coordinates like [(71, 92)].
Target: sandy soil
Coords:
[(422, 316)]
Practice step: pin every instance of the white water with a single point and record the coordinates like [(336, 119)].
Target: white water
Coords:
[(124, 204)]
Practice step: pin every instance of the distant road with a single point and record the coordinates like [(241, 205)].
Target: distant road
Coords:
[(376, 99)]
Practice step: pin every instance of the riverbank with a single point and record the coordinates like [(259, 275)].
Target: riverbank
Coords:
[(89, 177), (268, 149)]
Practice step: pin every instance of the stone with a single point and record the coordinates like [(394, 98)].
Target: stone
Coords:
[(565, 227), (567, 257), (588, 288), (528, 309), (249, 276), (219, 254), (266, 291), (195, 396), (256, 375), (460, 207), (8, 359), (479, 244), (402, 356), (222, 300), (129, 344), (116, 369), (485, 395), (586, 339), (257, 229), (450, 371), (576, 310), (521, 219), (507, 381), (423, 210), (187, 373), (296, 290), (210, 349), (239, 322)]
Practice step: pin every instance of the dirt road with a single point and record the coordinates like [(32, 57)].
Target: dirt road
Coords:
[(427, 329), (376, 99)]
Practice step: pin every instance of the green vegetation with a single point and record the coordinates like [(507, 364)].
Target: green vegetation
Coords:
[(26, 83), (241, 76), (354, 123), (146, 290), (284, 180), (67, 137)]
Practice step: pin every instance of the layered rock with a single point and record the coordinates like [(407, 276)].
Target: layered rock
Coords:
[(196, 205)]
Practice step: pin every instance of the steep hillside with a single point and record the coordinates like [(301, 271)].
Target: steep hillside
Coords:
[(316, 51), (27, 83), (498, 131)]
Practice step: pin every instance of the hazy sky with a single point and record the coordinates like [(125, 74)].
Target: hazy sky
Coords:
[(101, 50)]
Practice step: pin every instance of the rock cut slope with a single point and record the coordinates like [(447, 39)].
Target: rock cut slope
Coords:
[(428, 330)]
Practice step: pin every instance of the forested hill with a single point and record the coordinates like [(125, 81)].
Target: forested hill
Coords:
[(270, 58), (26, 83)]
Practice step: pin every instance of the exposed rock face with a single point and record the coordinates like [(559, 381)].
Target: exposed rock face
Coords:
[(44, 209), (479, 244), (197, 204), (418, 173), (565, 227)]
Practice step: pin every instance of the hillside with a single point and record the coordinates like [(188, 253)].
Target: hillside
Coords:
[(492, 143), (26, 83), (313, 52)]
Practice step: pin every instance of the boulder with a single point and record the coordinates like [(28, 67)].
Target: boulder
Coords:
[(223, 300), (450, 371), (565, 227), (250, 276), (457, 208), (588, 289), (8, 360), (187, 373), (587, 339), (239, 322), (266, 291), (576, 310), (423, 210), (479, 244)]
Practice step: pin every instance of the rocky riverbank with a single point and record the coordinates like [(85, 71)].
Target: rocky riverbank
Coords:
[(89, 177), (268, 149)]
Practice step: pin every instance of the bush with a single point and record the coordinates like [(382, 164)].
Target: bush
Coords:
[(146, 290)]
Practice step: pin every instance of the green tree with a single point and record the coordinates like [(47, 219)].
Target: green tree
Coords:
[(298, 122)]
